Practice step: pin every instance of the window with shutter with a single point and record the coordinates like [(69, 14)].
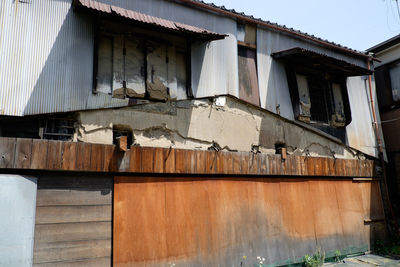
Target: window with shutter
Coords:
[(132, 63)]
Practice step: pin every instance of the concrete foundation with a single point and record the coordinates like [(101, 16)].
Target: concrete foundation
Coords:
[(224, 122)]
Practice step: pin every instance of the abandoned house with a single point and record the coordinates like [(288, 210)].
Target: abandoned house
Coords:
[(180, 133), (387, 79)]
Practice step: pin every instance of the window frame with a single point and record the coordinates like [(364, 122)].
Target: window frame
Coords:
[(328, 126), (384, 86)]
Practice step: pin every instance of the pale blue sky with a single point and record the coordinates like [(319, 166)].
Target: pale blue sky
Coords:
[(358, 24)]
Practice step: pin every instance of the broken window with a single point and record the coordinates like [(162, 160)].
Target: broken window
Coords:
[(317, 85), (247, 63), (134, 63), (320, 100)]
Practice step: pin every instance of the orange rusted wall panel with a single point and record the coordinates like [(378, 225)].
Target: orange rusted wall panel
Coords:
[(208, 221), (139, 221)]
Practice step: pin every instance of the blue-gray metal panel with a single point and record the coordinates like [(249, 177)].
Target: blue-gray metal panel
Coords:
[(18, 206)]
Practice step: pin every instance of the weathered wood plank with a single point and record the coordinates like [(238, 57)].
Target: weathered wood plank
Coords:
[(159, 160), (147, 159), (224, 162), (109, 158), (39, 154), (96, 262), (59, 232), (211, 161), (54, 155), (72, 250), (310, 166), (262, 164), (65, 214), (253, 164), (97, 157), (7, 152), (190, 162), (23, 153), (69, 156), (245, 162), (169, 160), (135, 159), (83, 154), (331, 167), (57, 197), (201, 161), (180, 161)]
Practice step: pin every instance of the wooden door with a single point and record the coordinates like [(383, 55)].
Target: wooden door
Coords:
[(73, 221)]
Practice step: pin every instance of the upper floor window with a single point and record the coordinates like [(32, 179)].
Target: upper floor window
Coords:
[(387, 79), (138, 55), (318, 90), (320, 100), (132, 62), (394, 72)]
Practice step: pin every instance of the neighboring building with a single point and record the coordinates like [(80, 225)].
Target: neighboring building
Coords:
[(156, 132), (387, 79)]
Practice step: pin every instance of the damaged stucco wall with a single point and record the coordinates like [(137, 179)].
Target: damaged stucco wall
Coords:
[(224, 122)]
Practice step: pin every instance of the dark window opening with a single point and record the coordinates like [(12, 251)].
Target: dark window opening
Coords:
[(54, 127), (320, 99), (387, 79)]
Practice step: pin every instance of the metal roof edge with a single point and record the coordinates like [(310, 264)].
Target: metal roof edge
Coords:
[(282, 28), (385, 44)]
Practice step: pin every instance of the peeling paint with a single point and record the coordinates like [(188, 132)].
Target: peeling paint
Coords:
[(157, 90)]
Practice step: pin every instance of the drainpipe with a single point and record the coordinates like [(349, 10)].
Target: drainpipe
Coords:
[(380, 143)]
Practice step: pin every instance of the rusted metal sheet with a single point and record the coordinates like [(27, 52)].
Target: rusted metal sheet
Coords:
[(147, 19), (218, 221), (248, 81)]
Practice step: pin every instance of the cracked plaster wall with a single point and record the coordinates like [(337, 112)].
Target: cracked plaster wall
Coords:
[(197, 124)]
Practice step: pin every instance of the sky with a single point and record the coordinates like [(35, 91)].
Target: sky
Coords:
[(358, 24)]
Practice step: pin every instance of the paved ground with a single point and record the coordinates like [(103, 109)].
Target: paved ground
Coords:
[(366, 260)]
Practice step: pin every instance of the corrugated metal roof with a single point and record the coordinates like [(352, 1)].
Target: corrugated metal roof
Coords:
[(275, 26), (303, 55), (385, 44), (147, 19)]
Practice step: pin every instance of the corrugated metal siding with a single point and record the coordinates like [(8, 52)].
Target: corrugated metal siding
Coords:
[(56, 75), (360, 132), (47, 59)]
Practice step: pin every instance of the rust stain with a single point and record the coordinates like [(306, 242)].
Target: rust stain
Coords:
[(162, 220)]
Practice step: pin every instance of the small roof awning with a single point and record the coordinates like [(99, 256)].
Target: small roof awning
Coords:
[(144, 19), (312, 60)]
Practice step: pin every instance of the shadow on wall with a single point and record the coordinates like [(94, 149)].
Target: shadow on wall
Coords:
[(66, 78)]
